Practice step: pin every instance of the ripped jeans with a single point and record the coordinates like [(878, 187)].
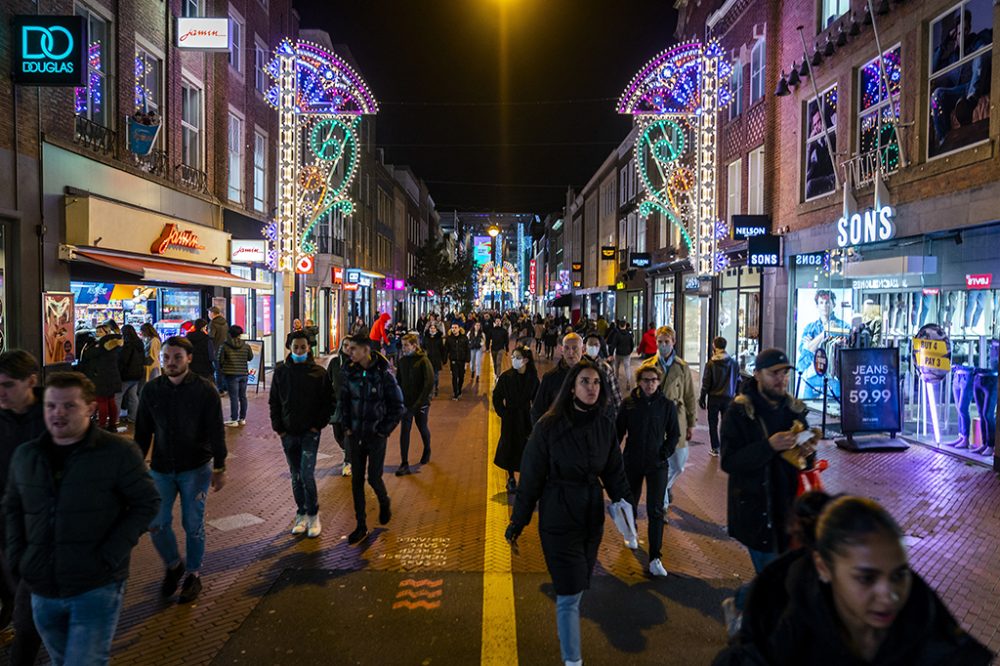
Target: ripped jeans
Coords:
[(192, 486), (300, 454)]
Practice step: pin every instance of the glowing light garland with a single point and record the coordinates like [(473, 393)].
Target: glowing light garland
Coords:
[(678, 92), (498, 279), (320, 100)]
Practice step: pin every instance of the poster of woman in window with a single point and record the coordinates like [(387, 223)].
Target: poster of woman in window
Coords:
[(821, 317), (961, 67), (57, 327), (819, 165)]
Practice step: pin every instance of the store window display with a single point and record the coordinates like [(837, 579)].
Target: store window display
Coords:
[(739, 311), (826, 312)]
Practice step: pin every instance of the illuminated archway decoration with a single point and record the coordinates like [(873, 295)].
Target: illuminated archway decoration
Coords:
[(498, 280), (320, 100), (676, 99)]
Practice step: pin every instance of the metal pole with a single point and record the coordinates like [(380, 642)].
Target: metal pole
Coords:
[(885, 82), (822, 434), (819, 107)]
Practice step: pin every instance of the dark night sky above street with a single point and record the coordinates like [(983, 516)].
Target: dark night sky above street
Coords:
[(463, 105)]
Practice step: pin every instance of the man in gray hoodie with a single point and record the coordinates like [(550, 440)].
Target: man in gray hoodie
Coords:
[(718, 388)]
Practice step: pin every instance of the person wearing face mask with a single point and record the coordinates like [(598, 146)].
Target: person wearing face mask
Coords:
[(512, 398), (456, 347), (756, 430), (300, 402), (416, 380), (678, 385), (570, 461), (552, 381), (592, 351), (434, 346), (853, 599)]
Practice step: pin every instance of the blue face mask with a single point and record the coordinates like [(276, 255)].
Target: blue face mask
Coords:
[(300, 358)]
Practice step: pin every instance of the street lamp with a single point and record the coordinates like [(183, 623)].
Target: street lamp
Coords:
[(493, 230)]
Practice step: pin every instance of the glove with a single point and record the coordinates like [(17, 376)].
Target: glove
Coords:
[(512, 533)]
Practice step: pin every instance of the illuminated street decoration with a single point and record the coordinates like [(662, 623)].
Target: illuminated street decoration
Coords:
[(676, 99), (497, 282), (320, 100)]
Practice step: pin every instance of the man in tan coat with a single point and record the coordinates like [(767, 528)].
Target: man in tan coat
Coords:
[(677, 385)]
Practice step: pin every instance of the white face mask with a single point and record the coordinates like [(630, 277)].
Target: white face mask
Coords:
[(517, 363), (593, 351)]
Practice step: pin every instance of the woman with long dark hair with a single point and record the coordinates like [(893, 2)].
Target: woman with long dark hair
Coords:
[(132, 366), (571, 458), (512, 396)]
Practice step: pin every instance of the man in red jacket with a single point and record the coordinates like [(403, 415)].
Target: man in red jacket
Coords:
[(379, 336)]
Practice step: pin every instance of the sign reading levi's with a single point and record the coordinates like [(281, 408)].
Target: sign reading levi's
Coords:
[(172, 236)]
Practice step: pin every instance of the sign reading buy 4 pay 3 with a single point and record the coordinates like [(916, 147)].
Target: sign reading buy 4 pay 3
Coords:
[(49, 50), (931, 354)]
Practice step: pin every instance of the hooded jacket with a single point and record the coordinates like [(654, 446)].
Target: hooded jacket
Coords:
[(203, 359), (647, 344), (620, 341), (301, 397), (499, 338), (16, 429), (434, 346), (234, 357), (416, 379), (99, 363), (653, 431), (370, 403), (378, 333), (218, 330), (722, 377), (457, 347), (762, 484)]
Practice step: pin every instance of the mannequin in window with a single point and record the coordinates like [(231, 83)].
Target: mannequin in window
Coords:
[(871, 315), (962, 388)]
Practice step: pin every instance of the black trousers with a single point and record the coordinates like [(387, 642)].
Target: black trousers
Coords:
[(457, 376), (717, 406), (367, 454), (656, 485), (420, 416)]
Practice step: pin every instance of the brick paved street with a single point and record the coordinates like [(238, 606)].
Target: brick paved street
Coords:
[(276, 598)]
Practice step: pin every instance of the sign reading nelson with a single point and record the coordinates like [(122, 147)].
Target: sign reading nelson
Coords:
[(49, 50)]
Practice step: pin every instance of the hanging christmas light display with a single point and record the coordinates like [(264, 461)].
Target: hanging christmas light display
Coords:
[(320, 100), (676, 99)]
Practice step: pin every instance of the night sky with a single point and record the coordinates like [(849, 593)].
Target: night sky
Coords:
[(490, 128)]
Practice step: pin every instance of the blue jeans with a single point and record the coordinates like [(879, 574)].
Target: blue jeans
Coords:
[(476, 362), (300, 453), (192, 486), (130, 398), (79, 629), (759, 559), (568, 625), (237, 396)]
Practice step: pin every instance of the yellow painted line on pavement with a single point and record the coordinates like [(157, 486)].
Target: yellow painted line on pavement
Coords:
[(499, 645)]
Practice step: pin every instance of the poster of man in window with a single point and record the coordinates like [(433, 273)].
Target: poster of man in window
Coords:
[(821, 121)]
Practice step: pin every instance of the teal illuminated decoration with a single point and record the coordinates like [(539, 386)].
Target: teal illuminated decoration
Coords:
[(333, 141), (666, 180), (49, 50)]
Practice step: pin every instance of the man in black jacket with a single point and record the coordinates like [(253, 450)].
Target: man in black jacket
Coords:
[(181, 413), (416, 380), (498, 339), (21, 420), (300, 404), (456, 346), (718, 388), (757, 440), (369, 406), (552, 381), (76, 503)]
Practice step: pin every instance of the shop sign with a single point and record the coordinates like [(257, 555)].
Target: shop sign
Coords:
[(817, 259), (981, 281), (820, 360), (338, 275), (640, 260), (50, 50), (248, 251), (576, 284), (387, 284), (173, 236), (880, 283), (869, 380), (399, 285), (532, 276), (364, 281), (203, 34), (872, 226), (353, 276), (306, 265), (764, 251), (608, 252), (931, 292), (349, 286), (691, 283), (932, 352), (751, 226), (577, 266), (619, 286)]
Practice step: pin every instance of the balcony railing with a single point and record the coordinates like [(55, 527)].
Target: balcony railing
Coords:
[(95, 137), (155, 163), (191, 178)]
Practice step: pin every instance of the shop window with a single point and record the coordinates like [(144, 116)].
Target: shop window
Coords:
[(148, 70), (734, 188), (755, 192), (961, 52), (736, 90), (259, 171), (259, 64), (191, 124), (236, 38), (757, 70), (832, 10), (235, 152), (93, 101), (878, 108), (821, 126)]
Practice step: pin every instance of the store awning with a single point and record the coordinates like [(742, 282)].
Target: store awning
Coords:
[(158, 270)]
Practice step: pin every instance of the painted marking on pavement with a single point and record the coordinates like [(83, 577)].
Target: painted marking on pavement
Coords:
[(227, 523), (422, 591), (499, 644)]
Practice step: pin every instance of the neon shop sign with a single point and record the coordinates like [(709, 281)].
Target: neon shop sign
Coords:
[(872, 226), (49, 50)]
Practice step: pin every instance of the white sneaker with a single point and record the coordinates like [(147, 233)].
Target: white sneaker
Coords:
[(578, 662), (346, 471), (242, 421), (300, 524), (231, 424), (632, 543), (315, 527), (656, 568)]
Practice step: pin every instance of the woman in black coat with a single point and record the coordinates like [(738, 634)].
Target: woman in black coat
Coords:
[(512, 396), (434, 347), (99, 362), (571, 458)]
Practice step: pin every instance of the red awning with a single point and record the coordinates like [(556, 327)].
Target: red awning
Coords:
[(163, 270)]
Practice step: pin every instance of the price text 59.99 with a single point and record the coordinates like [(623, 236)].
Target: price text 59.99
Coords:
[(869, 397)]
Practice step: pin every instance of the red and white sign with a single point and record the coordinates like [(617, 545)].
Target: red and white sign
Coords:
[(338, 275), (305, 265), (173, 236), (350, 286), (979, 281), (532, 276), (203, 34), (248, 251)]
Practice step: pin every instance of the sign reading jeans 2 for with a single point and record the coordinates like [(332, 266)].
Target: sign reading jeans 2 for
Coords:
[(869, 382), (49, 50)]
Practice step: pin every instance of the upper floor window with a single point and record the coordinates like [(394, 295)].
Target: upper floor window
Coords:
[(878, 108), (259, 171), (734, 188), (93, 100), (191, 124), (235, 151), (832, 10), (757, 70), (821, 124), (237, 38), (736, 90), (755, 180), (259, 64), (190, 8), (960, 72), (148, 69)]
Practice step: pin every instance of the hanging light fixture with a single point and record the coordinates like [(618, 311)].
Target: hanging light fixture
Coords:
[(828, 48), (855, 28), (782, 89), (793, 76), (841, 36), (817, 58), (804, 67)]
